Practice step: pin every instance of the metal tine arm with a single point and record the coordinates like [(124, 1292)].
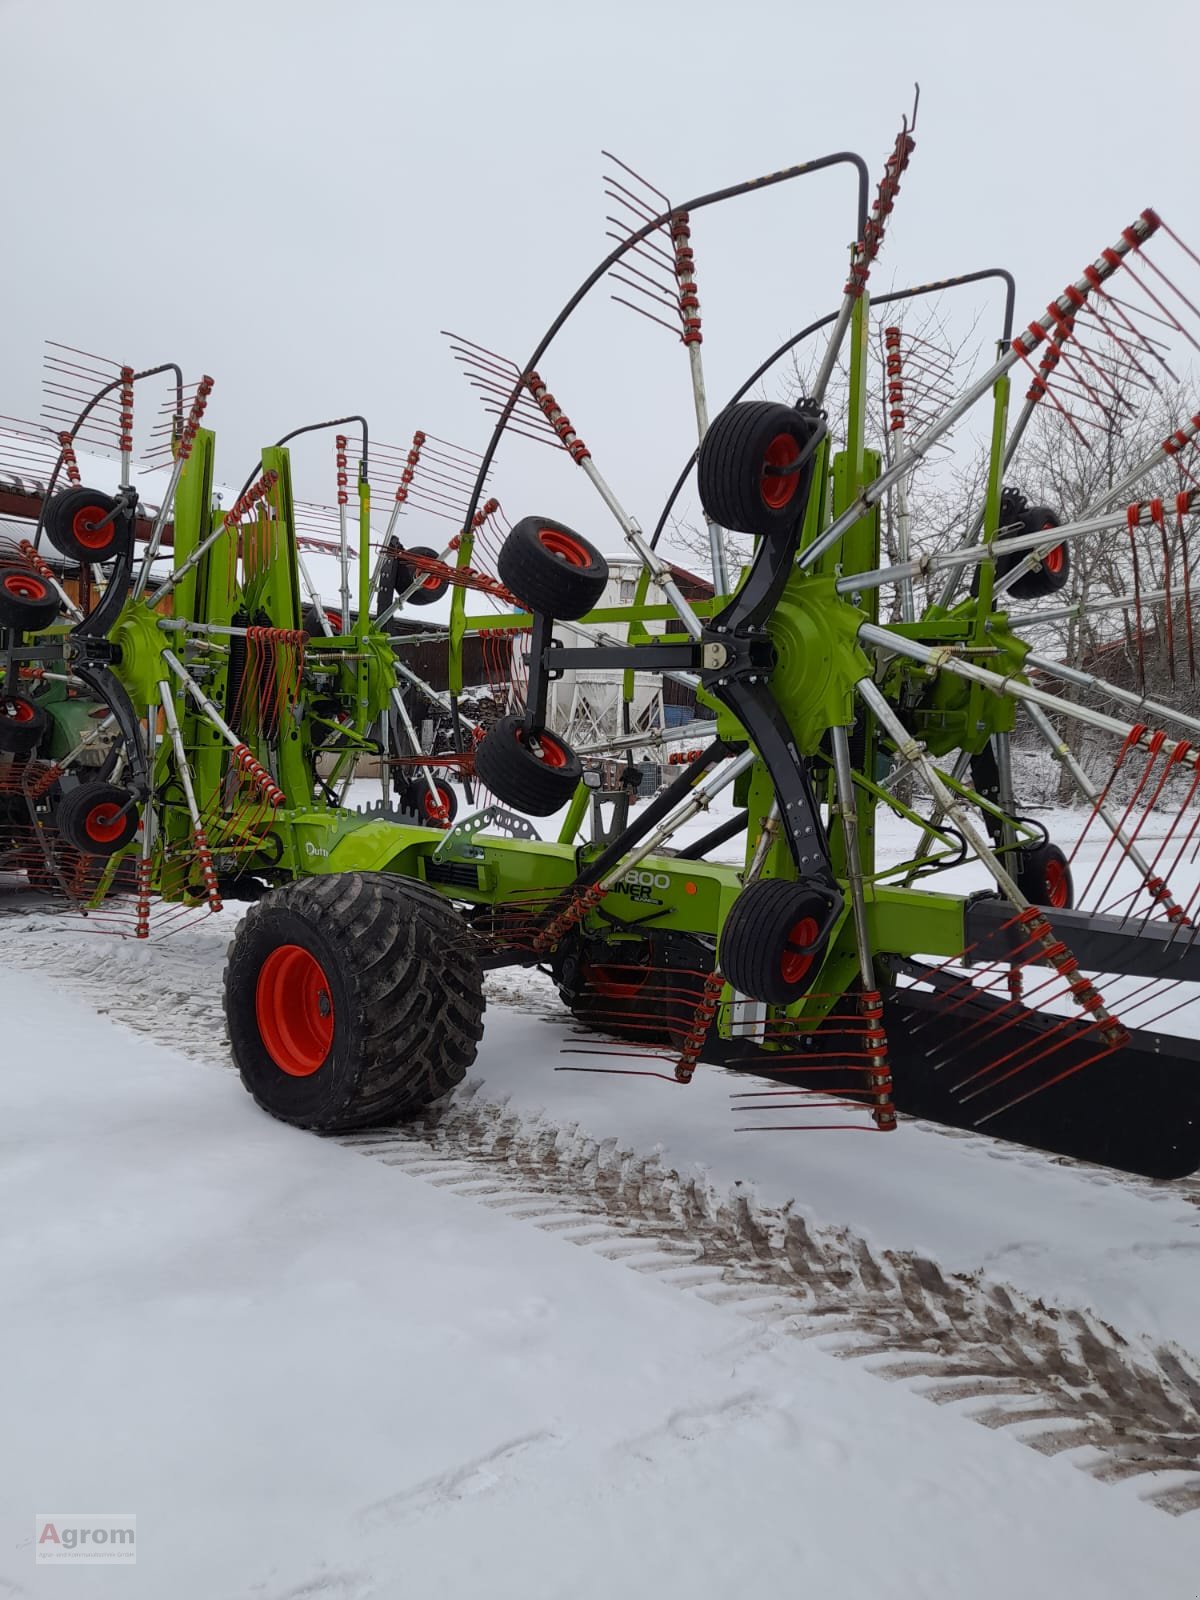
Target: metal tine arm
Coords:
[(700, 799), (1087, 680), (911, 750), (1139, 514), (435, 698), (411, 734), (44, 570), (183, 451), (246, 760), (1036, 927), (1170, 447), (1062, 753), (412, 461), (486, 511), (867, 248), (582, 456), (1065, 305), (241, 506), (314, 596), (672, 286), (1080, 608)]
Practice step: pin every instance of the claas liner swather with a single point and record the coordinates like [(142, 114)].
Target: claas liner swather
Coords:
[(849, 985)]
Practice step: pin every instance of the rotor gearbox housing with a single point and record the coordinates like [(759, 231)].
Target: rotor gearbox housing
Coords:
[(818, 659)]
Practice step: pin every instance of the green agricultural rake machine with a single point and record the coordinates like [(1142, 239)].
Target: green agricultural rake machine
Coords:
[(847, 982)]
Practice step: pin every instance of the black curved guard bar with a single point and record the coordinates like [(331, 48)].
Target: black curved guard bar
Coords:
[(840, 158), (1010, 299), (110, 692), (73, 430), (314, 427)]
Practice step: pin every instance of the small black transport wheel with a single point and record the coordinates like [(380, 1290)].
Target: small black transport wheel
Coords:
[(744, 467), (1055, 571), (773, 941), (97, 819), (415, 796), (551, 568), (22, 724), (27, 602), (1043, 876), (532, 771), (430, 588), (75, 525), (351, 1000)]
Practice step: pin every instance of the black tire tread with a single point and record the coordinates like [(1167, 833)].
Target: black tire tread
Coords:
[(1038, 583), (752, 940), (542, 582), (29, 615), (415, 986), (727, 468), (19, 738), (402, 575), (1030, 873), (69, 817), (411, 792), (60, 514), (519, 779)]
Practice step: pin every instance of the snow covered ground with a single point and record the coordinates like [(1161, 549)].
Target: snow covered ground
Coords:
[(549, 1344), (310, 1374)]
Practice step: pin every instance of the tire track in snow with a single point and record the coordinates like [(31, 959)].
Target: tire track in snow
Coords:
[(1063, 1379)]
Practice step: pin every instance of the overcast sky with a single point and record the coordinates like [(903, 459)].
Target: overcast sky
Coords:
[(295, 197)]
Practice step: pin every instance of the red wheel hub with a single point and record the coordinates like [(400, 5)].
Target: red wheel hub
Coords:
[(1053, 559), (293, 1006), (1057, 885), (86, 530), (783, 451), (564, 547), (614, 983), (552, 753), (104, 823), (437, 807), (17, 710), (24, 586), (794, 963)]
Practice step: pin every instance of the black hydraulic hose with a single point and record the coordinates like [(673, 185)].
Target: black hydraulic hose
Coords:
[(813, 327), (316, 427)]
